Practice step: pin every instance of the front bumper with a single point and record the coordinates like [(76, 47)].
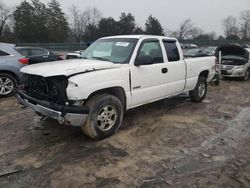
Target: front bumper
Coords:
[(233, 73), (73, 115)]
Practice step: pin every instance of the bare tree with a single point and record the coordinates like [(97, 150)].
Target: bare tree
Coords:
[(78, 23), (212, 35), (81, 20), (5, 13), (167, 32), (195, 32), (186, 30), (245, 24), (230, 26), (93, 16)]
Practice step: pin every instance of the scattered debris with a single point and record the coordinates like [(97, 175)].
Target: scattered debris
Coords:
[(206, 155)]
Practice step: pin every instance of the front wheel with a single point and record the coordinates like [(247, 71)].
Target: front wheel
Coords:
[(105, 116), (7, 85), (200, 90)]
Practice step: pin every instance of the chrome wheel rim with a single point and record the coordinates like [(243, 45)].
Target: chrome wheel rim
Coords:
[(6, 86), (201, 90), (106, 118)]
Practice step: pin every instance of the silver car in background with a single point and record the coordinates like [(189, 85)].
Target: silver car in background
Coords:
[(235, 61), (10, 64)]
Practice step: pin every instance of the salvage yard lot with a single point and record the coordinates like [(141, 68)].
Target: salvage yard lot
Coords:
[(170, 143)]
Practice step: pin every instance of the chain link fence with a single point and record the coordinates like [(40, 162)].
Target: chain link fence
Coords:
[(59, 47), (66, 47), (204, 43)]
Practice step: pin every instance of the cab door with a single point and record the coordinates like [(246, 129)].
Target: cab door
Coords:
[(176, 65), (149, 82)]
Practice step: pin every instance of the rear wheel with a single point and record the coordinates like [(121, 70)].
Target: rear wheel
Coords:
[(7, 85), (200, 91), (105, 116)]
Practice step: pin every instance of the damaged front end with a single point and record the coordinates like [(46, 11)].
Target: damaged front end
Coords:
[(48, 97)]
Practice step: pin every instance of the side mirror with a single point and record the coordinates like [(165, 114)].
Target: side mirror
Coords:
[(144, 60)]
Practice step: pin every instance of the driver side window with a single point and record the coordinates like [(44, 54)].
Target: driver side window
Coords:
[(153, 49)]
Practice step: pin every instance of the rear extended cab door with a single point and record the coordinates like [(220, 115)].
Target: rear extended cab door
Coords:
[(166, 76), (176, 77)]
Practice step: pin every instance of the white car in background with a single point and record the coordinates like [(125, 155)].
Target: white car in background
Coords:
[(210, 51), (74, 55)]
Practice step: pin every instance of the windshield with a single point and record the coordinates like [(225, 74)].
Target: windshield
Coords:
[(116, 50)]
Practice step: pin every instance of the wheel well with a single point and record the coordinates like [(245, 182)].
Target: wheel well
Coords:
[(204, 74), (10, 73), (116, 91)]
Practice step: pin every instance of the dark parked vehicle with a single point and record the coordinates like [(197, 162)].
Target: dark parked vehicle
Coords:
[(10, 64), (38, 55), (191, 53)]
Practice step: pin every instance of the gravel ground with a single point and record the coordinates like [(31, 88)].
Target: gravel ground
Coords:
[(170, 143)]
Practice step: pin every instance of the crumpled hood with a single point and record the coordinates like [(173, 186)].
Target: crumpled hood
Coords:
[(67, 67)]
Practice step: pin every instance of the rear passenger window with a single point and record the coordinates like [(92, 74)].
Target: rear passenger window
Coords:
[(24, 52), (2, 53), (35, 52), (153, 49), (171, 50)]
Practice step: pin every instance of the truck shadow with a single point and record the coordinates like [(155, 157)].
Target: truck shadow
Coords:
[(158, 108), (229, 79), (49, 131), (153, 110)]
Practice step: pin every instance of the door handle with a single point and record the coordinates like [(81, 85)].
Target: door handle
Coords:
[(164, 70)]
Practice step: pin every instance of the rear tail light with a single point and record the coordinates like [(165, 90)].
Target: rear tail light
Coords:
[(24, 61), (61, 57)]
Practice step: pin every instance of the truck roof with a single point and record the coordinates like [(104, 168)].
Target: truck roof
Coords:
[(138, 36)]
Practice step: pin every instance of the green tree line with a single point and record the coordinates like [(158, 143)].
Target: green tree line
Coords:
[(33, 21)]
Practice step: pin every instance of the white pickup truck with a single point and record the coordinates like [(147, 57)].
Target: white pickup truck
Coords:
[(115, 74)]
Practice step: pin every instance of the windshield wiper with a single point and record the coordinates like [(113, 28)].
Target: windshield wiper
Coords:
[(101, 58)]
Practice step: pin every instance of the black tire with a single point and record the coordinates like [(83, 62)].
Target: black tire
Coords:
[(246, 76), (200, 91), (102, 106), (4, 92)]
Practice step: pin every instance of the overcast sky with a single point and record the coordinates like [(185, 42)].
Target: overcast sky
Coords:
[(206, 14)]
